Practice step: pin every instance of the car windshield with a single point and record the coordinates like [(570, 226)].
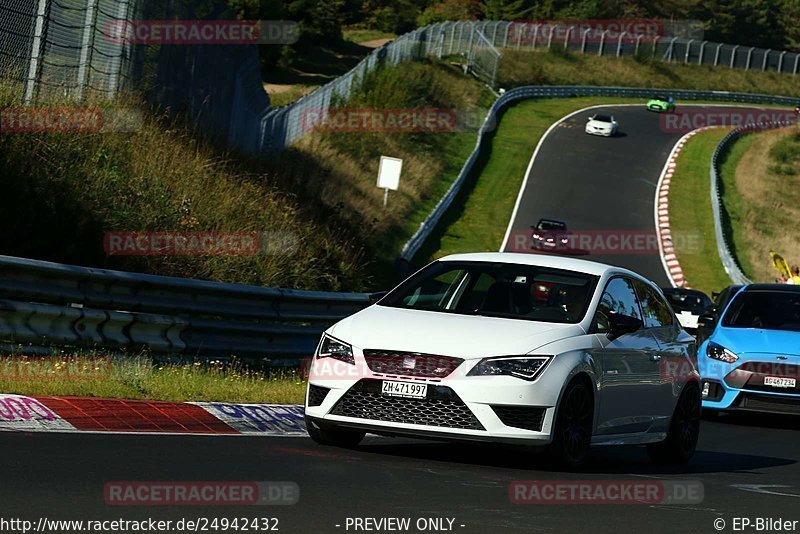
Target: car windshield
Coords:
[(687, 302), (602, 118), (497, 290), (661, 98), (550, 225), (769, 310)]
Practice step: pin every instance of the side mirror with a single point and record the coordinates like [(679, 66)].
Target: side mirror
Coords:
[(375, 297), (623, 324)]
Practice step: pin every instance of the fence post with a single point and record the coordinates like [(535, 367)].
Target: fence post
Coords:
[(36, 52), (535, 36), (672, 49), (716, 55), (602, 43), (86, 45), (733, 54), (796, 63), (766, 57), (583, 41), (116, 62), (780, 62), (688, 49), (619, 44), (638, 41), (655, 45), (550, 37), (749, 57), (702, 52), (566, 39)]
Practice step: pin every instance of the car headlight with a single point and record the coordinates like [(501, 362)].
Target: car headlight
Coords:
[(524, 367), (330, 347), (718, 352)]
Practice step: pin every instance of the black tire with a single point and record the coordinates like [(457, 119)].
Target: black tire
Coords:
[(335, 437), (572, 435), (684, 430)]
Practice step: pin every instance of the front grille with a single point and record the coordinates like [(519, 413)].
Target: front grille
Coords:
[(410, 363), (523, 417), (442, 407), (316, 395), (769, 403), (759, 370)]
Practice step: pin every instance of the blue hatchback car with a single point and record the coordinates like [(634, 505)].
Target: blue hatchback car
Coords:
[(751, 359)]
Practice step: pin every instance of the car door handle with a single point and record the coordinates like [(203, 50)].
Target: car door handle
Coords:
[(655, 357)]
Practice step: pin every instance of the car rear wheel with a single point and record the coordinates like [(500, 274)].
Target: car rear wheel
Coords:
[(336, 437), (684, 430), (573, 427)]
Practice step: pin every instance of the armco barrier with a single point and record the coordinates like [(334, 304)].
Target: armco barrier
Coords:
[(49, 304), (723, 246), (413, 245)]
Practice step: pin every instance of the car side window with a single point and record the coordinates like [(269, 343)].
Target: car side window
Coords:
[(656, 312), (619, 298)]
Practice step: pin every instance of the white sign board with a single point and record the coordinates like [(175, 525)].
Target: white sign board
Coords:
[(389, 173)]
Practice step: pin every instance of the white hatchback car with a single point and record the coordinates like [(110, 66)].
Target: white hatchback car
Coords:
[(605, 125), (517, 348)]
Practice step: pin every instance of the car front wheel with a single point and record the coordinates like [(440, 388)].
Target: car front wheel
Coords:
[(573, 426), (336, 437), (684, 430)]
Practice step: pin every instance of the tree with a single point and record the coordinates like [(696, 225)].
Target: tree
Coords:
[(450, 10), (506, 9)]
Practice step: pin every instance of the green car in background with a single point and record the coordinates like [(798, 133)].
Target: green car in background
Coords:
[(661, 104)]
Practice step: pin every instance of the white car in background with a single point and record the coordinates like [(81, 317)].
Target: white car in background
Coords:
[(600, 124), (530, 349)]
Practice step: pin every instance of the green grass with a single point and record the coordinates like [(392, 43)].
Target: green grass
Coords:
[(760, 179), (140, 378), (690, 214), (357, 35), (733, 202), (548, 68)]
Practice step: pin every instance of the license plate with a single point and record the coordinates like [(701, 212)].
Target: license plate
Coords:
[(779, 382), (404, 389)]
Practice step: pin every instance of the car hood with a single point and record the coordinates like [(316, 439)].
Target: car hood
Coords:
[(445, 334), (601, 125), (753, 340)]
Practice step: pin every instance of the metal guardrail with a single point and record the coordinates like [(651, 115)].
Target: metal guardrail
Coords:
[(51, 304), (729, 262), (416, 241)]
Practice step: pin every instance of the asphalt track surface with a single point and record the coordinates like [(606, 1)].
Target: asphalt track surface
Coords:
[(599, 184), (62, 476)]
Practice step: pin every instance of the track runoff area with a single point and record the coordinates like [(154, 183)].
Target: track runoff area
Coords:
[(745, 476)]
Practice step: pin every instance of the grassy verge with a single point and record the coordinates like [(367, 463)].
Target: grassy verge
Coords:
[(690, 215), (760, 178), (316, 204), (140, 378), (559, 68)]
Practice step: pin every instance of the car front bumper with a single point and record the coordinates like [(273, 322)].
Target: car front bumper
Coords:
[(737, 387), (485, 408)]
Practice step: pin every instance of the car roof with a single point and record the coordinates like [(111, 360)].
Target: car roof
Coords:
[(788, 288), (543, 260)]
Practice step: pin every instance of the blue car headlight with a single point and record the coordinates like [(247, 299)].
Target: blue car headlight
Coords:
[(718, 352), (330, 347), (524, 367)]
